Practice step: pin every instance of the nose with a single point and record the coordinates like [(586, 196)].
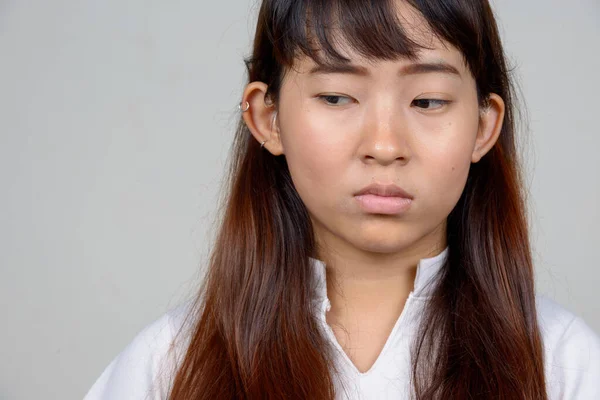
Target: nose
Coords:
[(384, 136)]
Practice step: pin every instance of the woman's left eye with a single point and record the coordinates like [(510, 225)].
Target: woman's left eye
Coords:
[(424, 103), (333, 99)]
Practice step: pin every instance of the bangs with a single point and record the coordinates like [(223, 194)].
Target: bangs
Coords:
[(320, 28), (328, 31)]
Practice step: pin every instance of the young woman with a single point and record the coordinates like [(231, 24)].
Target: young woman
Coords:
[(374, 238)]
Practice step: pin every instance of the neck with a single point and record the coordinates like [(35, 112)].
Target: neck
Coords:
[(361, 288), (373, 285)]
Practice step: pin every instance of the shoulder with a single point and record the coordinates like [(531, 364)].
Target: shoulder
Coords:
[(571, 351), (144, 368)]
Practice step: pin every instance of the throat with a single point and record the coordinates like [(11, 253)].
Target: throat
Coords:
[(363, 335)]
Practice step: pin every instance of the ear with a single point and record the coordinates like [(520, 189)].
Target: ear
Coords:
[(261, 117), (490, 125)]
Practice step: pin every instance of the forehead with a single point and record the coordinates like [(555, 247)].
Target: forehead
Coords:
[(441, 59), (449, 61), (430, 49)]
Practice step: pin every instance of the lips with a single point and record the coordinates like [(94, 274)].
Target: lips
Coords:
[(382, 190), (384, 199)]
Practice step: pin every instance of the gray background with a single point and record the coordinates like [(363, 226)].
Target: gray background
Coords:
[(115, 121)]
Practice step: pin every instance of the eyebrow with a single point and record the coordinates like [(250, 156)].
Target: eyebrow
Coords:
[(409, 69)]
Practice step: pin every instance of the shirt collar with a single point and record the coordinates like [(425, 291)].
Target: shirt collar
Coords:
[(427, 268)]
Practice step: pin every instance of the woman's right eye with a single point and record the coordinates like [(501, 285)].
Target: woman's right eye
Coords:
[(333, 99)]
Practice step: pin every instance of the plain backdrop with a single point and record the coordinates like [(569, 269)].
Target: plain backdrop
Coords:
[(115, 122)]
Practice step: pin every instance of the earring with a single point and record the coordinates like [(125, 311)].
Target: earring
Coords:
[(262, 143), (246, 105), (274, 119)]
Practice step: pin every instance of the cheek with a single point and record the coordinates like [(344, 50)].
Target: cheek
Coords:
[(315, 157), (448, 164), (450, 176)]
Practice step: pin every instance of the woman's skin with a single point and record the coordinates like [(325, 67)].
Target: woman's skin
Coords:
[(376, 132)]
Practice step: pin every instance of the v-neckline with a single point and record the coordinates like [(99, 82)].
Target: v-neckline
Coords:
[(384, 350), (427, 269)]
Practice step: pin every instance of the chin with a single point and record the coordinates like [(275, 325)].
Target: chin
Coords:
[(382, 244)]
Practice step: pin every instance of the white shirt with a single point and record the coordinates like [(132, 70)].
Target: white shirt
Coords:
[(571, 352)]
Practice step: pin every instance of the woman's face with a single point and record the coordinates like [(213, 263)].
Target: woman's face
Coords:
[(411, 124), (393, 123)]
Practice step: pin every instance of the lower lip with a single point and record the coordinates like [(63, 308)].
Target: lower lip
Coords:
[(372, 203)]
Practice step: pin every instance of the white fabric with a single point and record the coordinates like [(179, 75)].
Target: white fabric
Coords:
[(571, 351)]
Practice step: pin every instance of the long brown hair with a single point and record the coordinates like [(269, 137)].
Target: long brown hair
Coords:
[(255, 335)]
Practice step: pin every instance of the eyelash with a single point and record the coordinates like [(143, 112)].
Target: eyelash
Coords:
[(438, 101)]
